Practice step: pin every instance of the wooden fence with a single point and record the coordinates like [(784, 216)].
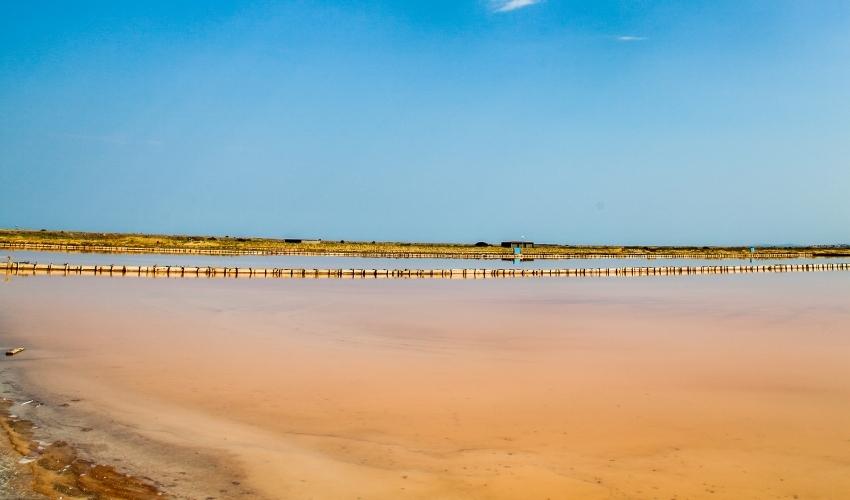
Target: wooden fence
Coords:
[(27, 268)]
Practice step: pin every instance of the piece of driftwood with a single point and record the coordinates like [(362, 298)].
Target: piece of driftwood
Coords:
[(12, 352)]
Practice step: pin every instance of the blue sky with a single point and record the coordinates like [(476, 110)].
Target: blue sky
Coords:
[(639, 122)]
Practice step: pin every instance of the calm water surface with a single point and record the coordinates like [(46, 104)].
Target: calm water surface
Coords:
[(310, 262), (682, 387)]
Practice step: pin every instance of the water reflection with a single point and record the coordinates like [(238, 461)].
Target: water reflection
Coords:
[(320, 262)]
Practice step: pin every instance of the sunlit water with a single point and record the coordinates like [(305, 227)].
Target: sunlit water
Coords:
[(318, 262), (730, 386)]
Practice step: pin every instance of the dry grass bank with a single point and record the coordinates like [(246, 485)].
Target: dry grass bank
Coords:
[(189, 244)]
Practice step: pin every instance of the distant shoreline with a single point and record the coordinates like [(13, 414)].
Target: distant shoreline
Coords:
[(72, 241)]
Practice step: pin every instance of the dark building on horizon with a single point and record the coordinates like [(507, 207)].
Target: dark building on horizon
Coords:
[(302, 240), (517, 244)]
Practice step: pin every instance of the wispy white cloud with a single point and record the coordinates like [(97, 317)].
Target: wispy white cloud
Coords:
[(629, 38), (509, 5)]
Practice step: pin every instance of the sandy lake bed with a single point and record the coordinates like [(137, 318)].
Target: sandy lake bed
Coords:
[(676, 387)]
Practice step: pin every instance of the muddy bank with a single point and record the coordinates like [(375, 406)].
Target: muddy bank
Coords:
[(16, 481), (54, 446), (55, 469)]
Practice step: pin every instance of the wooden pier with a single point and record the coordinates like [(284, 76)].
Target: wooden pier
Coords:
[(51, 269)]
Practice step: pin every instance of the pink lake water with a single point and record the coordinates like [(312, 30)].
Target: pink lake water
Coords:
[(677, 387)]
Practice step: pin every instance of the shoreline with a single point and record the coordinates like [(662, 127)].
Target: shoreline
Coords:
[(55, 468), (44, 463), (442, 254), (75, 241), (57, 444)]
